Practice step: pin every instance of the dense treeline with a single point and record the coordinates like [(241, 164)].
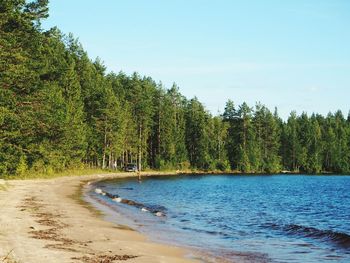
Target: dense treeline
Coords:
[(59, 109)]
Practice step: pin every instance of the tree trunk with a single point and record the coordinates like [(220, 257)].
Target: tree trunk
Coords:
[(122, 161), (140, 148), (110, 160), (104, 149), (158, 137)]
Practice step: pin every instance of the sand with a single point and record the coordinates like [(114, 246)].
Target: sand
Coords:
[(44, 221)]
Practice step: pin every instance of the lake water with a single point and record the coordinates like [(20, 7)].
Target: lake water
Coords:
[(280, 218)]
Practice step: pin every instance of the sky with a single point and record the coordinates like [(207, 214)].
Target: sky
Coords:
[(291, 54)]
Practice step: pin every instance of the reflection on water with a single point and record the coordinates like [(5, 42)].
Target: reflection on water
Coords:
[(280, 218)]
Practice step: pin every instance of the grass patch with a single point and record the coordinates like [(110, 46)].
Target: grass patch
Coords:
[(68, 172), (90, 171)]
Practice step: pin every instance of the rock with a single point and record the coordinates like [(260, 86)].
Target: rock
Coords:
[(143, 209), (98, 191), (159, 214), (112, 196), (117, 199)]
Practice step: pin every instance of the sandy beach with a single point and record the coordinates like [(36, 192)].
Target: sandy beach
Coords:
[(44, 221)]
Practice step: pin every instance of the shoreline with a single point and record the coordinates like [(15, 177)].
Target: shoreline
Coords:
[(47, 220), (43, 220), (111, 214)]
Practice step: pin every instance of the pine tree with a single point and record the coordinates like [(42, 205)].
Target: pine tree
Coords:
[(246, 139), (230, 116), (196, 135)]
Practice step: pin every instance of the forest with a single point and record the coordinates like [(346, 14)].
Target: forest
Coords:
[(59, 110)]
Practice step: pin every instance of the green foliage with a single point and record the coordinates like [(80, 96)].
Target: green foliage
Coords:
[(59, 111), (197, 137), (222, 165), (22, 166)]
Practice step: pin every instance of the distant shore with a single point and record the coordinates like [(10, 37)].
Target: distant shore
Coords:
[(46, 221)]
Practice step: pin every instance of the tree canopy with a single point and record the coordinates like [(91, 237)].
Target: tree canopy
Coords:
[(59, 109)]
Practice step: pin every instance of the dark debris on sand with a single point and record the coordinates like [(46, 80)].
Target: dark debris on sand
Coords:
[(104, 258)]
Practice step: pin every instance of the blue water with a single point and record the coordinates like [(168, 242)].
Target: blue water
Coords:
[(281, 218)]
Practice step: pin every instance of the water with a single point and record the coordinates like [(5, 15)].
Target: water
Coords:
[(281, 218)]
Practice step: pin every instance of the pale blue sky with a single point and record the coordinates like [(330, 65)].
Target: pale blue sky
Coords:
[(291, 54)]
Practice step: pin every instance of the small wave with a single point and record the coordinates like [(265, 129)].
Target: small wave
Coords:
[(127, 188), (156, 207), (210, 232), (338, 238)]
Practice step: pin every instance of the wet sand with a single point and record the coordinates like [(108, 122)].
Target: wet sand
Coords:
[(46, 221)]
